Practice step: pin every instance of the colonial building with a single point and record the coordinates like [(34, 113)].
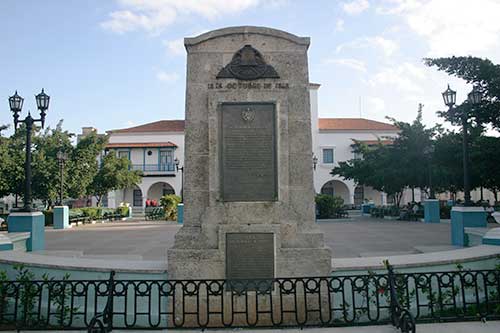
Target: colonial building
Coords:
[(155, 147), (152, 148)]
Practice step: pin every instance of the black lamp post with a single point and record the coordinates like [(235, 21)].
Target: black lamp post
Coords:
[(474, 97), (61, 158), (177, 168), (428, 153), (16, 104), (315, 161)]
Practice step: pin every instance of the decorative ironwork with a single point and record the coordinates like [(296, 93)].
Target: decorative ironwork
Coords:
[(248, 64), (400, 317), (370, 299)]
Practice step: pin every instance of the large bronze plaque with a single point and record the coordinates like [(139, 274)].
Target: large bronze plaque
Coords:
[(249, 256), (248, 152)]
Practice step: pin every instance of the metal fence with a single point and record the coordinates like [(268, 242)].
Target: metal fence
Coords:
[(370, 299)]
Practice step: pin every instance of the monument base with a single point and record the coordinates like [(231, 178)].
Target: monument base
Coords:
[(462, 217), (296, 254), (431, 211), (61, 217), (33, 222)]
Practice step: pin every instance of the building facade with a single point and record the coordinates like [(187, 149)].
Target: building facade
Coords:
[(153, 148)]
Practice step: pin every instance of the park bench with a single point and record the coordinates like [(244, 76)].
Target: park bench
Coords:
[(342, 214), (156, 213)]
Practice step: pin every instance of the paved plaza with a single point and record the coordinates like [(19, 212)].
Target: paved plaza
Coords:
[(147, 240)]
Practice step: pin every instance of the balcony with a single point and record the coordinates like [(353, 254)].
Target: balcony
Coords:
[(155, 169)]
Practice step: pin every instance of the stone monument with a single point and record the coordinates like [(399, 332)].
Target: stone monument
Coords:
[(248, 190)]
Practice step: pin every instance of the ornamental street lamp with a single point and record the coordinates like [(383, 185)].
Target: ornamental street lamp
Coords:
[(177, 168), (428, 152), (474, 98), (315, 161), (16, 105), (61, 158)]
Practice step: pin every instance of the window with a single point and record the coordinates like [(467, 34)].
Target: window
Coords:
[(328, 156), (123, 153), (137, 198)]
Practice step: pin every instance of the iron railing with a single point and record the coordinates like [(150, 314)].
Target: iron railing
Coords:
[(402, 299), (154, 167)]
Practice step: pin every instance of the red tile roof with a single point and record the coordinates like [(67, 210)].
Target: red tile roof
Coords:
[(354, 124), (141, 145), (343, 124), (157, 126)]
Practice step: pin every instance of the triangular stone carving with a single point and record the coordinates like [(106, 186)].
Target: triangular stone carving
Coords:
[(248, 64)]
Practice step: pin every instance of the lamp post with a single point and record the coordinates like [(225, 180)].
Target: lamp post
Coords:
[(177, 168), (428, 153), (61, 158), (16, 105), (474, 98), (315, 161)]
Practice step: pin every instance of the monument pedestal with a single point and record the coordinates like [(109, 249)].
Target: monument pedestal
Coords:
[(61, 217), (248, 186), (431, 211), (465, 217), (32, 222)]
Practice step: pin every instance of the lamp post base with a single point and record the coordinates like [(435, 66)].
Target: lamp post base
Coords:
[(61, 217), (431, 211), (33, 222), (466, 217)]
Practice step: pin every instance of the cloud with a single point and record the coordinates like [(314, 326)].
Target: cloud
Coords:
[(175, 47), (451, 27), (405, 77), (355, 64), (387, 46), (155, 15), (376, 104), (339, 25), (167, 77), (355, 7)]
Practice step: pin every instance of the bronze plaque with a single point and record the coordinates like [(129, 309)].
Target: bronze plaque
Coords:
[(248, 152), (249, 256)]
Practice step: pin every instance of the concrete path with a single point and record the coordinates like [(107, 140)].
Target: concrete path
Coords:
[(357, 237), (464, 327)]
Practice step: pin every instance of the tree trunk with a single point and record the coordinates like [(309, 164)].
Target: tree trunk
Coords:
[(412, 194)]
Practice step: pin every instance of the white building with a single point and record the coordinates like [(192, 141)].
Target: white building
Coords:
[(154, 147)]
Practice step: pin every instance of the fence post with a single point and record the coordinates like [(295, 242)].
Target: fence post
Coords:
[(400, 317)]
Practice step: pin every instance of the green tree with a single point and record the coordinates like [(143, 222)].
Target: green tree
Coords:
[(83, 164), (113, 174), (45, 166), (413, 147), (482, 73)]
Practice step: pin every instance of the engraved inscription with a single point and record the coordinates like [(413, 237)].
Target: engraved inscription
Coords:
[(248, 152), (249, 256)]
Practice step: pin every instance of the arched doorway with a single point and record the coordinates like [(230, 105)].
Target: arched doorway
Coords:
[(159, 189), (336, 187)]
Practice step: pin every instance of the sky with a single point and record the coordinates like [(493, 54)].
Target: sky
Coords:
[(119, 63)]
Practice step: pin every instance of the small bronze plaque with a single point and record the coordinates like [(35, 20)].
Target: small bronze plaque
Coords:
[(249, 256), (248, 152)]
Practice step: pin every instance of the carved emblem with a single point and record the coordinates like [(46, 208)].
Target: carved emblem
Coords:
[(247, 64), (248, 115)]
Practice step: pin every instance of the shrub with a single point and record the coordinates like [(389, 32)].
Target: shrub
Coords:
[(328, 206), (169, 203), (49, 217), (122, 210), (92, 212)]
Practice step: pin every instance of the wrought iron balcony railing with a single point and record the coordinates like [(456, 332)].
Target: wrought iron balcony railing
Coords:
[(169, 167)]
